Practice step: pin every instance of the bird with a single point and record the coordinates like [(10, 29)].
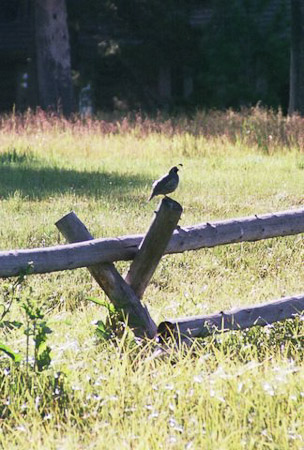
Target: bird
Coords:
[(166, 184)]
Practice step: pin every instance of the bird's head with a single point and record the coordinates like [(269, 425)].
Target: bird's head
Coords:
[(175, 169)]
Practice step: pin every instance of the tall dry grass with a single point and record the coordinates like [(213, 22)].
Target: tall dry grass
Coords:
[(266, 129)]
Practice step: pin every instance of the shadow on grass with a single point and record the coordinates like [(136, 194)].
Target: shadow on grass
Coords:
[(42, 182)]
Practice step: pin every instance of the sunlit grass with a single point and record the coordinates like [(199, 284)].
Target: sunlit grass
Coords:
[(240, 390)]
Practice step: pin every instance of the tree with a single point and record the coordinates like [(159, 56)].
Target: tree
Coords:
[(53, 61), (296, 89), (143, 55), (182, 53), (245, 55)]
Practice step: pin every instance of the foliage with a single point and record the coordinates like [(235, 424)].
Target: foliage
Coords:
[(10, 293), (9, 352), (33, 327), (238, 57), (36, 328), (119, 62), (245, 55), (114, 325)]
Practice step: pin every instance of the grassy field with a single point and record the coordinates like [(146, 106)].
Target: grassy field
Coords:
[(241, 390)]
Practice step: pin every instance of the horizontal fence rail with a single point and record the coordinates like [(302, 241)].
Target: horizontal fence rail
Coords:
[(235, 319), (84, 254)]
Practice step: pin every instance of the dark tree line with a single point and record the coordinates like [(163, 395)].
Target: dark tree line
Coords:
[(236, 58)]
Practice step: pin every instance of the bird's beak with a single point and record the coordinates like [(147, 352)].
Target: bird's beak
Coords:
[(180, 164)]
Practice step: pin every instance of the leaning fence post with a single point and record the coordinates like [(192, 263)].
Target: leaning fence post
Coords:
[(106, 275), (153, 245)]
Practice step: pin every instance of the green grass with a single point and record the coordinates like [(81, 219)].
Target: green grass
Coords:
[(241, 390)]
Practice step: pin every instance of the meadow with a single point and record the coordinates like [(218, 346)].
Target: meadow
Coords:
[(239, 390)]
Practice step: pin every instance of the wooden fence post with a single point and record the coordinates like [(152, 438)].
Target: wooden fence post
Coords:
[(126, 295), (118, 291), (153, 245)]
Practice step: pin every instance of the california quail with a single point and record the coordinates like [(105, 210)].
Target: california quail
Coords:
[(166, 184)]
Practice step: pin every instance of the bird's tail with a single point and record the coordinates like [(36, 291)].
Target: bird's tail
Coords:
[(151, 196)]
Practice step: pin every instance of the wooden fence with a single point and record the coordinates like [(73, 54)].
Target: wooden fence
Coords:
[(163, 236)]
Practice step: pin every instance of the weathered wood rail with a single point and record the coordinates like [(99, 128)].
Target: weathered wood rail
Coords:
[(90, 252), (235, 319), (163, 236)]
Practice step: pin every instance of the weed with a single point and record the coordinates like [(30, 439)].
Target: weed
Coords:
[(33, 326)]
